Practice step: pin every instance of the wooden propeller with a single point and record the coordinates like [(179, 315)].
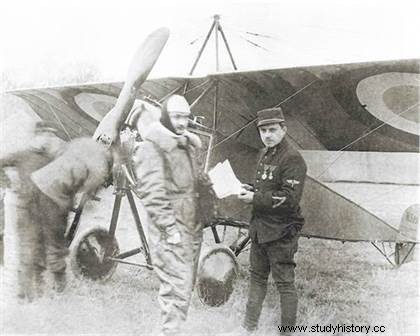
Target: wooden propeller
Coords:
[(142, 63)]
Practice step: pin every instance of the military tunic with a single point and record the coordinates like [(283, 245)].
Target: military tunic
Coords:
[(278, 187), (276, 220)]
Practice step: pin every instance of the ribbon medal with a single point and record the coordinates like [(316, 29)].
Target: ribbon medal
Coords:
[(268, 172)]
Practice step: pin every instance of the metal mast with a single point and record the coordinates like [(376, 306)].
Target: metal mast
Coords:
[(217, 29)]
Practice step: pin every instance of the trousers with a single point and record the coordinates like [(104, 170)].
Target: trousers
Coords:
[(35, 240), (276, 257), (52, 221), (176, 267)]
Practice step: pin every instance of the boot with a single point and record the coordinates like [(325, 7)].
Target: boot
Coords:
[(289, 303), (24, 286), (256, 296), (39, 281), (60, 281)]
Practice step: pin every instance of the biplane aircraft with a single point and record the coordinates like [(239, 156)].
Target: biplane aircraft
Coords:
[(357, 126)]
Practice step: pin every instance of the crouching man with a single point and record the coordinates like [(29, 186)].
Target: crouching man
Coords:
[(167, 181), (276, 219), (82, 167)]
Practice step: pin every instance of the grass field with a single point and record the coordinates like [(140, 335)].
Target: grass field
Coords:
[(337, 283)]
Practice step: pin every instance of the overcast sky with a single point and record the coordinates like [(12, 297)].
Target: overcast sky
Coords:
[(52, 34)]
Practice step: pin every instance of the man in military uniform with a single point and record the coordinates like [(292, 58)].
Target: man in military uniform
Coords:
[(276, 219), (167, 185)]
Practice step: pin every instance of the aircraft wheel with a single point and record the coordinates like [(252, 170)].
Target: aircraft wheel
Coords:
[(217, 273), (90, 252)]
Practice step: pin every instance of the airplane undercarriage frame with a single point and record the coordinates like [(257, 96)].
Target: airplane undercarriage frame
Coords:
[(95, 253), (395, 253)]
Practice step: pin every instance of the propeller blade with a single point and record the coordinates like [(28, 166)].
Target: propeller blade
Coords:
[(142, 63)]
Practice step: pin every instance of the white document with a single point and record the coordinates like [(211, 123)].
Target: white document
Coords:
[(225, 182)]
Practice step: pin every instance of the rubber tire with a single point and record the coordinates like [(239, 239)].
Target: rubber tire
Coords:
[(84, 260), (211, 290)]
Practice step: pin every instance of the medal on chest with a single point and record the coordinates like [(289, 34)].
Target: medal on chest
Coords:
[(268, 172)]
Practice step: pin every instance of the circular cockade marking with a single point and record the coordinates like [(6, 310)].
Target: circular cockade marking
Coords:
[(94, 104), (393, 98), (401, 98)]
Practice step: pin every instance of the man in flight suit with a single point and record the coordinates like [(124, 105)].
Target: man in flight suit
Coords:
[(276, 219), (167, 179)]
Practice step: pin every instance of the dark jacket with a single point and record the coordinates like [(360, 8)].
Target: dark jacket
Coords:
[(82, 167), (278, 187)]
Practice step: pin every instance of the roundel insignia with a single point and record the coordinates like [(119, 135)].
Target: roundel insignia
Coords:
[(94, 104), (393, 98)]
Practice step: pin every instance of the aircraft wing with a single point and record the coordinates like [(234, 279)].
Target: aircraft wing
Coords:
[(361, 198), (364, 107)]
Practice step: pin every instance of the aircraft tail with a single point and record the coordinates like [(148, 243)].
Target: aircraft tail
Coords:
[(409, 225)]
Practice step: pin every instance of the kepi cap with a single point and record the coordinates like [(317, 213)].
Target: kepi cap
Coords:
[(270, 116)]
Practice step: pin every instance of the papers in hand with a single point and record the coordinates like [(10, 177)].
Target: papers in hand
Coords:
[(225, 182)]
